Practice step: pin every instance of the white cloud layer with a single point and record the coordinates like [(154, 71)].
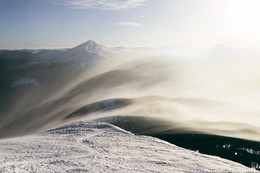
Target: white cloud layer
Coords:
[(101, 4), (132, 24)]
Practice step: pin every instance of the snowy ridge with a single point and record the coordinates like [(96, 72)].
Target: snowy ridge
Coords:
[(101, 147)]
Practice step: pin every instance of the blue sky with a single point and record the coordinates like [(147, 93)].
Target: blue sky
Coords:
[(63, 23)]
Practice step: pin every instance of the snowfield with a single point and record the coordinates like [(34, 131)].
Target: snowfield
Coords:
[(101, 147)]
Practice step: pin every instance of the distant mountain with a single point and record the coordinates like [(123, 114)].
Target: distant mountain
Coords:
[(91, 46), (86, 53)]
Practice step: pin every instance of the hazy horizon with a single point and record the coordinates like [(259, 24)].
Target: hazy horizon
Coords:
[(34, 24), (250, 46)]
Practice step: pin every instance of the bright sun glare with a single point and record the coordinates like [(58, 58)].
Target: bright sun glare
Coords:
[(244, 19)]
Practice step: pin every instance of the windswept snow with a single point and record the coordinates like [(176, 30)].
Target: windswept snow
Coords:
[(101, 147), (26, 81)]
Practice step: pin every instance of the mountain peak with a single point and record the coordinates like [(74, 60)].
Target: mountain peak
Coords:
[(89, 43), (91, 46)]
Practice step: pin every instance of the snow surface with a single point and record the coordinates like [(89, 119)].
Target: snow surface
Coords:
[(101, 147)]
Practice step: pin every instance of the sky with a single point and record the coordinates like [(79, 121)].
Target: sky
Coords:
[(132, 23)]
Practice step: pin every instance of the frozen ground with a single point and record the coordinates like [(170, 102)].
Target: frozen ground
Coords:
[(101, 147)]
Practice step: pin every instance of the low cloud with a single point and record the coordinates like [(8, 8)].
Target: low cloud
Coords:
[(101, 4), (132, 24)]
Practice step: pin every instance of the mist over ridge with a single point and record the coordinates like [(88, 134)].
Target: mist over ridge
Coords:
[(216, 86)]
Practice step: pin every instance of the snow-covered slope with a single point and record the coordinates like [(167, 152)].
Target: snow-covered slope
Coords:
[(101, 147)]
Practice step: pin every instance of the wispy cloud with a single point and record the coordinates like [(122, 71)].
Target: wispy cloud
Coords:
[(101, 4), (132, 24)]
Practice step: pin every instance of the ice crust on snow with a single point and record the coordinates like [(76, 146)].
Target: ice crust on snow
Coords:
[(101, 147)]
